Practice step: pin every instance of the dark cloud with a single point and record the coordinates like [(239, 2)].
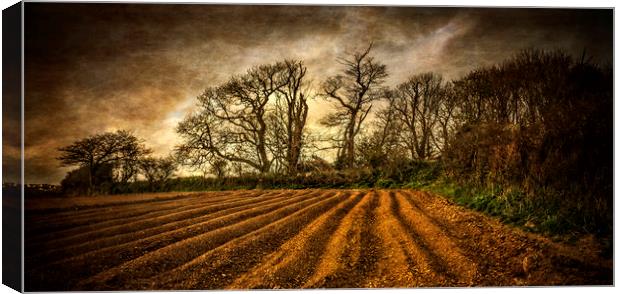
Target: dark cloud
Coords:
[(98, 67)]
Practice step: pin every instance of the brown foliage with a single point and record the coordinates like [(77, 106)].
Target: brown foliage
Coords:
[(541, 121)]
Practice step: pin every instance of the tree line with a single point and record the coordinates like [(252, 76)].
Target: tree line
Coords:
[(540, 121), (109, 161)]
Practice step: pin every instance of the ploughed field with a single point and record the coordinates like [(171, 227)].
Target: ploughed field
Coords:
[(290, 239)]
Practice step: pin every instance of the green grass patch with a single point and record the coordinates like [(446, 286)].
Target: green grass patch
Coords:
[(510, 204)]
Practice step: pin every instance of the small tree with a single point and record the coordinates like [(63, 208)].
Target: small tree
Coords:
[(219, 167), (380, 146), (157, 170), (417, 102), (110, 148)]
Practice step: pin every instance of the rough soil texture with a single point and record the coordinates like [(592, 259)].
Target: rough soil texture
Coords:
[(274, 239)]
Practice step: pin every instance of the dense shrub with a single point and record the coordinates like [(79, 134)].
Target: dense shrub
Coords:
[(76, 182), (556, 147)]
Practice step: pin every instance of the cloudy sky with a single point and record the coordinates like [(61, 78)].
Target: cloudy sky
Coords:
[(92, 68)]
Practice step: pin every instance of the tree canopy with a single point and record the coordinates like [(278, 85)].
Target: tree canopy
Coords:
[(117, 149)]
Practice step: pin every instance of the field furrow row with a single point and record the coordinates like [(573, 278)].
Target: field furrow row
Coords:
[(285, 239), (121, 212), (131, 231), (115, 227), (294, 262), (181, 252)]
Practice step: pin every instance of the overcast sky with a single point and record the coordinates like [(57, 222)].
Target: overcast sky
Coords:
[(91, 68)]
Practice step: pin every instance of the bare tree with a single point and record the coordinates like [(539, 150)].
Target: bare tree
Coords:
[(157, 170), (380, 148), (219, 167), (231, 122), (94, 152), (238, 123), (447, 112), (353, 91), (128, 167), (417, 103), (291, 114), (388, 125), (277, 141)]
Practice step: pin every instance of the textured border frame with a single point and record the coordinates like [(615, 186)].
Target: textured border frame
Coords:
[(12, 203)]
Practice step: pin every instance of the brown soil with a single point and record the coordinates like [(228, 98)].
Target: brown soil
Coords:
[(292, 239)]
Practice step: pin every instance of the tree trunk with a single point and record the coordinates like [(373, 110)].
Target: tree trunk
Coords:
[(90, 179), (350, 142)]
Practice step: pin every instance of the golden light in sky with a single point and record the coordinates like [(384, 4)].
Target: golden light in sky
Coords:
[(96, 67)]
